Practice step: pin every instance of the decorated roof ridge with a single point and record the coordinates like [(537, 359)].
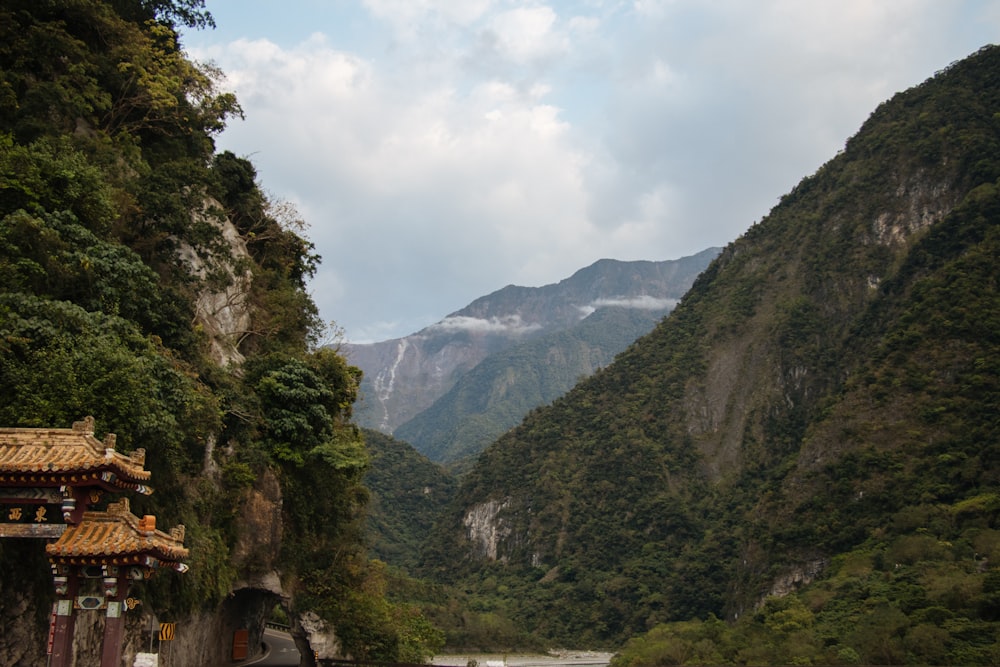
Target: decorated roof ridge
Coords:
[(117, 534), (62, 451)]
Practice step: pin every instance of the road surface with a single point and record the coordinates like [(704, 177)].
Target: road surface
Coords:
[(281, 651)]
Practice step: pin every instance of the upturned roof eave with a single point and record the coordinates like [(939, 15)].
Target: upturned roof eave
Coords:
[(117, 534), (51, 457)]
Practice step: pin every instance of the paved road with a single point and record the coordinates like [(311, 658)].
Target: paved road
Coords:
[(281, 651)]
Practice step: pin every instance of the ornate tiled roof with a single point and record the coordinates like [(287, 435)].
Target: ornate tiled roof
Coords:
[(118, 537), (59, 457)]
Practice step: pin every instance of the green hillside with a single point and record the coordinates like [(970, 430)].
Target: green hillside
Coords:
[(497, 394), (817, 420), (121, 233), (408, 492)]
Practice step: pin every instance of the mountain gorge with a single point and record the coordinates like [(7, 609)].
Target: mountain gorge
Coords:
[(800, 464), (811, 434), (576, 325)]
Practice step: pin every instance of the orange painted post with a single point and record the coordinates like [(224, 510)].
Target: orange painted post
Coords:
[(241, 642)]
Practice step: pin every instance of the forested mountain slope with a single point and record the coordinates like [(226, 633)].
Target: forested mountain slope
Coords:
[(408, 492), (819, 412), (405, 376), (496, 395), (145, 280)]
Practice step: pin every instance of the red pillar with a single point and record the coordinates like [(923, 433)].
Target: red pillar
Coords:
[(67, 584), (116, 586)]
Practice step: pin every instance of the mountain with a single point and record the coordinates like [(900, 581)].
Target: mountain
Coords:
[(496, 395), (404, 376), (807, 447), (408, 493)]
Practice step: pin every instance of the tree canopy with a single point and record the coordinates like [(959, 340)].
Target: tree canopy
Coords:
[(109, 186)]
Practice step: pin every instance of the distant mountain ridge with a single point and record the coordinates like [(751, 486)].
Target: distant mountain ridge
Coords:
[(496, 395), (405, 376)]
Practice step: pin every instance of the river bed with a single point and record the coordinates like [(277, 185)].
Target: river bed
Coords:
[(554, 659)]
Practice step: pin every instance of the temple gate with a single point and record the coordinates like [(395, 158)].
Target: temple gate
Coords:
[(49, 478)]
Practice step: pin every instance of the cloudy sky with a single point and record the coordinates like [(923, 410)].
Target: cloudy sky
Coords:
[(442, 149)]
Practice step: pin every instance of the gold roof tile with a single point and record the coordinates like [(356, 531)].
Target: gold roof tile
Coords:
[(118, 533), (61, 453)]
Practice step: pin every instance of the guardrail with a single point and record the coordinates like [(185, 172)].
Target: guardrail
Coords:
[(277, 626), (333, 662), (338, 662)]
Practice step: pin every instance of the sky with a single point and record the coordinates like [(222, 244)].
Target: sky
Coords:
[(440, 150)]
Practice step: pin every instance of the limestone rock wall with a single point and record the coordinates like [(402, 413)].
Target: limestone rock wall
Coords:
[(222, 307)]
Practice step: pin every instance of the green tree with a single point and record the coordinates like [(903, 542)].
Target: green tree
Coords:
[(191, 13)]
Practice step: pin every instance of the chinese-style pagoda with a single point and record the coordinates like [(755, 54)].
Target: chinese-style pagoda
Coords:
[(49, 478)]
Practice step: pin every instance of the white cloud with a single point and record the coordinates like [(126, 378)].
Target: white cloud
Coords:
[(474, 184), (271, 78), (644, 302), (480, 143), (510, 325), (410, 12), (652, 9), (525, 34)]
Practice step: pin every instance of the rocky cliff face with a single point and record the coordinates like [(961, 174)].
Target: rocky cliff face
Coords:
[(205, 637), (24, 633), (405, 376), (222, 308)]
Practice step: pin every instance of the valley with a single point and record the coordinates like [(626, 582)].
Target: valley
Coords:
[(781, 451)]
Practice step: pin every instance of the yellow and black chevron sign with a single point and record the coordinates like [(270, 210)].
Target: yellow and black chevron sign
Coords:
[(167, 631)]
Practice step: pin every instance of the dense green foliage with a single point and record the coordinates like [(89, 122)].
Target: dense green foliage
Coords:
[(409, 492), (821, 407), (109, 184), (916, 596)]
